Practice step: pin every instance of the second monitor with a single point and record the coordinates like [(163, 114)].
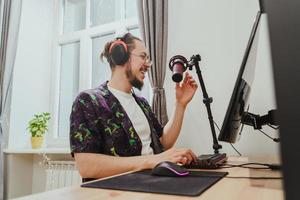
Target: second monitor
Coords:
[(238, 105)]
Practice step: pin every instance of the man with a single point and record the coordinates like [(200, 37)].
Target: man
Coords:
[(113, 130)]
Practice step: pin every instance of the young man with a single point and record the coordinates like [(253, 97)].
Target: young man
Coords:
[(113, 130)]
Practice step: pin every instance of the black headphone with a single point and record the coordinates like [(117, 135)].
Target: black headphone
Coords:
[(119, 53)]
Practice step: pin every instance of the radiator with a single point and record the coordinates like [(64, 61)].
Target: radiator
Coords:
[(61, 174)]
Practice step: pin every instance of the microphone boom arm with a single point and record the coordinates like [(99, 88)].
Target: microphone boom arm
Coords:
[(195, 59)]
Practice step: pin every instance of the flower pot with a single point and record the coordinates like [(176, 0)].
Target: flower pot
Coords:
[(36, 142)]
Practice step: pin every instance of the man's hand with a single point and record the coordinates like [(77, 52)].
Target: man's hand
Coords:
[(186, 90), (183, 156)]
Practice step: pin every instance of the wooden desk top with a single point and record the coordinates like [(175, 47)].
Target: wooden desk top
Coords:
[(227, 188)]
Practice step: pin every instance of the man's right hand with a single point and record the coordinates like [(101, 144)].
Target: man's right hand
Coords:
[(183, 156)]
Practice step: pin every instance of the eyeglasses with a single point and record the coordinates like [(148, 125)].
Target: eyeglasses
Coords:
[(144, 57)]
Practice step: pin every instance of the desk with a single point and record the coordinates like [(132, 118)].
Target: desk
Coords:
[(227, 188)]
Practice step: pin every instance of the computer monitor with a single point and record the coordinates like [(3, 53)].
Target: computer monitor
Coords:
[(284, 31), (238, 105)]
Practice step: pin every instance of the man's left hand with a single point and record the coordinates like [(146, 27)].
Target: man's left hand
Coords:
[(186, 90)]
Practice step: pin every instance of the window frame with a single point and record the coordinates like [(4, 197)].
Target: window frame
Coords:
[(84, 37)]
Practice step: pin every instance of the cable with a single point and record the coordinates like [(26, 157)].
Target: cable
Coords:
[(228, 166), (229, 143), (235, 149), (254, 163), (274, 139), (240, 133), (245, 165), (217, 126), (266, 166), (233, 166), (242, 128)]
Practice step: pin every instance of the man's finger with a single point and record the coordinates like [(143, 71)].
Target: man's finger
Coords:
[(195, 157), (185, 77)]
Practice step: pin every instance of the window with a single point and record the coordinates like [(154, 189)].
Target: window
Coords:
[(82, 27), (69, 82)]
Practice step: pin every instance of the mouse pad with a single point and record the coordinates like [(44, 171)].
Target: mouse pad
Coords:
[(192, 185)]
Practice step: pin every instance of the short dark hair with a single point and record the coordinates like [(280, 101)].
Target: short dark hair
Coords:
[(127, 38)]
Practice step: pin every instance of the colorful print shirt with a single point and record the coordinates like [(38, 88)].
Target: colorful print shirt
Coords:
[(99, 124)]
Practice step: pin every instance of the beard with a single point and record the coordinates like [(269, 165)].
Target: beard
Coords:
[(133, 80)]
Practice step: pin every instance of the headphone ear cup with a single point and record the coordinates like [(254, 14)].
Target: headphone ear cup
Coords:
[(119, 55)]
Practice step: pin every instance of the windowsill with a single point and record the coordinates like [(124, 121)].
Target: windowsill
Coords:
[(38, 151)]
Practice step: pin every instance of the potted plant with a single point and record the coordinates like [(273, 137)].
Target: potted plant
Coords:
[(38, 126)]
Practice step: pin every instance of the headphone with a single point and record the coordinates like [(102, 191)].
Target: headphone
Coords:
[(119, 53)]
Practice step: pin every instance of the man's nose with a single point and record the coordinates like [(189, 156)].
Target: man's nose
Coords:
[(148, 64)]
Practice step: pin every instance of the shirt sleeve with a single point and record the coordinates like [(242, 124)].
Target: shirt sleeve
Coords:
[(85, 135)]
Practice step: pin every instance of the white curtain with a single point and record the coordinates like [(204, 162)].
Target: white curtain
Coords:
[(9, 21), (153, 20)]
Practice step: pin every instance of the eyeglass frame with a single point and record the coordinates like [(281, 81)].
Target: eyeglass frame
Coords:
[(144, 57)]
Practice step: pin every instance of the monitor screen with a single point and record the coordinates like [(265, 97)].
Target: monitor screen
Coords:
[(238, 104)]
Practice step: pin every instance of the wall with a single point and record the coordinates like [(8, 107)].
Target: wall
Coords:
[(30, 93), (25, 173), (31, 82), (18, 175), (219, 31)]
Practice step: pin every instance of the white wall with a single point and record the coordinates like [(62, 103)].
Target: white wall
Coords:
[(30, 93), (31, 82), (18, 175), (219, 31)]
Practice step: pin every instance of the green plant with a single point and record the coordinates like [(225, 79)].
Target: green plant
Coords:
[(38, 124)]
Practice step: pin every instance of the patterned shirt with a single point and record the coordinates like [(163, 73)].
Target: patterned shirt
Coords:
[(99, 124)]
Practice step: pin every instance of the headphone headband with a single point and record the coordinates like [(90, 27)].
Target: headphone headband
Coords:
[(118, 52), (118, 41)]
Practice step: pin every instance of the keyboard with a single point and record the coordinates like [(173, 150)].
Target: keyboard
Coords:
[(208, 161)]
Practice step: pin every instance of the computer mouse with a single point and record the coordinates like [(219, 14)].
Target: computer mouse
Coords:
[(167, 168)]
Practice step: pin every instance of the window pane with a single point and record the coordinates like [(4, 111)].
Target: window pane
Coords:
[(136, 32), (103, 11), (130, 9), (69, 81), (101, 70), (74, 15)]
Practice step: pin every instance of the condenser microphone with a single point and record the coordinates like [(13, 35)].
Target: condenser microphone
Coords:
[(178, 64)]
